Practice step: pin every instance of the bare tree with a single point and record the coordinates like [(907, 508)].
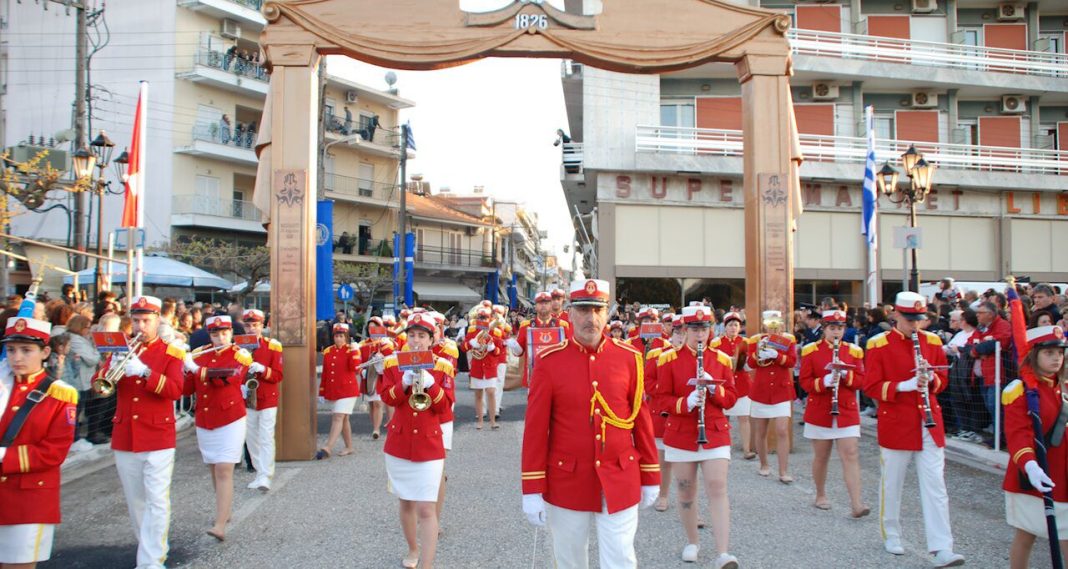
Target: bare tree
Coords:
[(251, 264)]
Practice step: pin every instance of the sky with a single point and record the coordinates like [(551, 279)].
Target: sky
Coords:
[(490, 123)]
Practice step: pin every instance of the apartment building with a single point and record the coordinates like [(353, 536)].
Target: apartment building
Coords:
[(653, 172)]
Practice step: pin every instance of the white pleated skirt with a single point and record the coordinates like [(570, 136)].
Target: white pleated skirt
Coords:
[(764, 411), (672, 454), (343, 406), (414, 481), (1026, 512), (818, 433), (26, 543), (741, 408), (224, 445), (372, 397), (446, 435), (488, 383)]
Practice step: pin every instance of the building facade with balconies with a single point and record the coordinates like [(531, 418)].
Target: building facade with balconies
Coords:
[(653, 171)]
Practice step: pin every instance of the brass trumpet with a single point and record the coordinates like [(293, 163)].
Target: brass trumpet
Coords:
[(419, 400), (485, 337), (105, 385)]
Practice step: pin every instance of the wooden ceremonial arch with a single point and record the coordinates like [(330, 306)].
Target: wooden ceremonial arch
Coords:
[(628, 36)]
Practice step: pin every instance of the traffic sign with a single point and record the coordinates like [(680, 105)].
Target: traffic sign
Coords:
[(908, 238), (345, 293)]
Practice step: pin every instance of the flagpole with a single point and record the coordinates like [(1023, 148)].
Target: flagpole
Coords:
[(870, 218), (143, 142)]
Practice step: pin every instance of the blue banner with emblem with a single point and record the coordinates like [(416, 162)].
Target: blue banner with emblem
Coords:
[(324, 260)]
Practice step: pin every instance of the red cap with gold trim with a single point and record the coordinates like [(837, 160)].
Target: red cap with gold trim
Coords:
[(252, 315), (341, 328), (558, 293), (22, 329), (834, 317), (676, 321), (223, 322), (649, 312), (911, 305), (376, 320), (699, 316), (423, 321), (735, 316), (615, 325), (543, 296), (1046, 337), (666, 317), (589, 292), (146, 305), (483, 313)]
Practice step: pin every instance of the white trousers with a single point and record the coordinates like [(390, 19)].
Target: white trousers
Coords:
[(502, 370), (260, 440), (146, 481), (930, 463), (570, 533)]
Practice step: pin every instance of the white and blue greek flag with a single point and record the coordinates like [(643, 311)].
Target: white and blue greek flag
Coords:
[(869, 223)]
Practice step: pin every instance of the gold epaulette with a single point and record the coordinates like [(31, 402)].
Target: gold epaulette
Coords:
[(654, 354), (754, 339), (525, 323), (855, 351), (274, 345), (715, 343), (932, 338), (724, 359), (666, 357), (176, 352), (327, 350), (242, 356), (552, 350), (390, 361), (63, 392), (443, 365), (1013, 391), (810, 348), (627, 346), (877, 341)]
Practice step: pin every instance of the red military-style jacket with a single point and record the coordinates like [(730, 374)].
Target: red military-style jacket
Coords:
[(815, 358), (772, 382), (340, 366), (636, 341), (999, 331), (588, 433), (483, 368), (448, 350), (269, 354), (219, 400), (890, 359), (523, 341), (732, 347), (415, 435), (445, 350), (144, 408), (1020, 435), (674, 370), (29, 474), (658, 415)]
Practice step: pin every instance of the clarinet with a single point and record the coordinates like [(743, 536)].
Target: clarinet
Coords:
[(923, 373), (701, 437), (836, 375)]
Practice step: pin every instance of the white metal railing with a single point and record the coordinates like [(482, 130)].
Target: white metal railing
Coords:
[(232, 61), (935, 54), (816, 148), (204, 205), (572, 156)]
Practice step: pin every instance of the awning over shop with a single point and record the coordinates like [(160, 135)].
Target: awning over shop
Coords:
[(445, 292), (161, 271)]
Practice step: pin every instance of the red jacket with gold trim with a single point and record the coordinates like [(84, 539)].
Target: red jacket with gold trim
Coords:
[(415, 435), (658, 415), (523, 341), (339, 373), (674, 370), (772, 381), (219, 400), (815, 358), (890, 359), (732, 346), (588, 433), (486, 367), (268, 354), (29, 474), (1020, 435), (144, 407)]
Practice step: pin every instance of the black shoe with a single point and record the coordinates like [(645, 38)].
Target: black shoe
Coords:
[(496, 417)]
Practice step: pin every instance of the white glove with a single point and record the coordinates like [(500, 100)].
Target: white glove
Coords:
[(408, 378), (3, 451), (828, 380), (649, 496), (908, 385), (354, 345), (189, 365), (491, 347), (136, 367), (475, 344), (1039, 480), (694, 399), (514, 347), (379, 363), (768, 354), (257, 367), (244, 391), (534, 508), (411, 375)]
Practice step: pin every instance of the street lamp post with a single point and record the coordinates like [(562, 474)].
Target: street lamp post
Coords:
[(920, 174), (97, 156)]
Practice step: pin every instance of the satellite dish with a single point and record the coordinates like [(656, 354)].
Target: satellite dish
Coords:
[(391, 78)]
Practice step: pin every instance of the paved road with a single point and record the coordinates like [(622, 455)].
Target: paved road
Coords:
[(337, 513)]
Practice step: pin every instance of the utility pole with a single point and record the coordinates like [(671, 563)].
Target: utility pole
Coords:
[(81, 199), (5, 276), (402, 221)]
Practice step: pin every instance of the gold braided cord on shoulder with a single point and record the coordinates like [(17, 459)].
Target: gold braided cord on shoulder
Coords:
[(608, 416)]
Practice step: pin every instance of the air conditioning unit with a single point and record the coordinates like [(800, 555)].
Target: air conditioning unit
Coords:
[(1010, 12), (230, 29), (924, 100), (1013, 104), (924, 6), (350, 97), (824, 91)]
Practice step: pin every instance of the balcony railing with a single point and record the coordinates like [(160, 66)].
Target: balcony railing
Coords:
[(816, 148), (572, 152), (934, 54), (356, 245), (229, 61), (359, 187), (239, 135), (203, 205), (453, 257)]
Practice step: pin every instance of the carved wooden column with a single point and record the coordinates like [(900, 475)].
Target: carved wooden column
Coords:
[(294, 100)]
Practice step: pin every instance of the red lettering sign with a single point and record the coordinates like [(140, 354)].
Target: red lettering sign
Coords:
[(693, 185), (622, 186), (726, 187)]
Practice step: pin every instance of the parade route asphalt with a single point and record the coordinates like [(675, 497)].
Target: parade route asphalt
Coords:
[(338, 513)]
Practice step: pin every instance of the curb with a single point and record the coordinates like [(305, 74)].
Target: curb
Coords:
[(82, 464), (966, 454)]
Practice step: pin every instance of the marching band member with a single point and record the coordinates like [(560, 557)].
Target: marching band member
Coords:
[(446, 350), (500, 313), (483, 340), (772, 356), (647, 315), (892, 378), (543, 318), (557, 306), (589, 462), (1025, 479), (692, 440), (831, 416), (615, 330), (377, 349), (143, 433), (266, 368), (733, 344), (415, 462), (659, 419), (341, 363), (216, 377), (37, 418)]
